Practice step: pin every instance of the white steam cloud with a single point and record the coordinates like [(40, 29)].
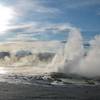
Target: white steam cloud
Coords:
[(90, 65), (72, 58)]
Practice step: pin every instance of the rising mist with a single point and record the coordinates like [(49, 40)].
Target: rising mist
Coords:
[(73, 58)]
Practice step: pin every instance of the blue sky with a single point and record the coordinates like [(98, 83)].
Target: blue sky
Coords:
[(51, 19)]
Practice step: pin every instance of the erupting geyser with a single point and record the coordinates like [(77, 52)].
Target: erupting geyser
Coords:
[(73, 51), (90, 65), (71, 58)]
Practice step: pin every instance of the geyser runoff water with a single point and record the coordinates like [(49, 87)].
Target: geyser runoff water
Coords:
[(72, 58)]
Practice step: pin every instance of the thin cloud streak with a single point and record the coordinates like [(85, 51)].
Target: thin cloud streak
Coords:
[(23, 7), (31, 30)]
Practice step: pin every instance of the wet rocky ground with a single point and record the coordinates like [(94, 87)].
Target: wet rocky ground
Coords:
[(37, 88)]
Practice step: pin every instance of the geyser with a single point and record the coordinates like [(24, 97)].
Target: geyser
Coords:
[(90, 65), (72, 58)]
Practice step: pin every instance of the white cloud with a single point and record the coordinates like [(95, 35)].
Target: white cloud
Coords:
[(36, 27), (23, 7), (29, 30)]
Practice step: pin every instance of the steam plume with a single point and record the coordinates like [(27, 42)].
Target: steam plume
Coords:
[(71, 58)]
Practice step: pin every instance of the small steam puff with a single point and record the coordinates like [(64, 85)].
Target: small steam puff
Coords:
[(71, 58)]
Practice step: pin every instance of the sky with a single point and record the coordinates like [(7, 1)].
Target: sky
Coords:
[(30, 20)]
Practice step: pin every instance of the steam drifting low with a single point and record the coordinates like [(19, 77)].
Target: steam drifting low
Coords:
[(71, 57)]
